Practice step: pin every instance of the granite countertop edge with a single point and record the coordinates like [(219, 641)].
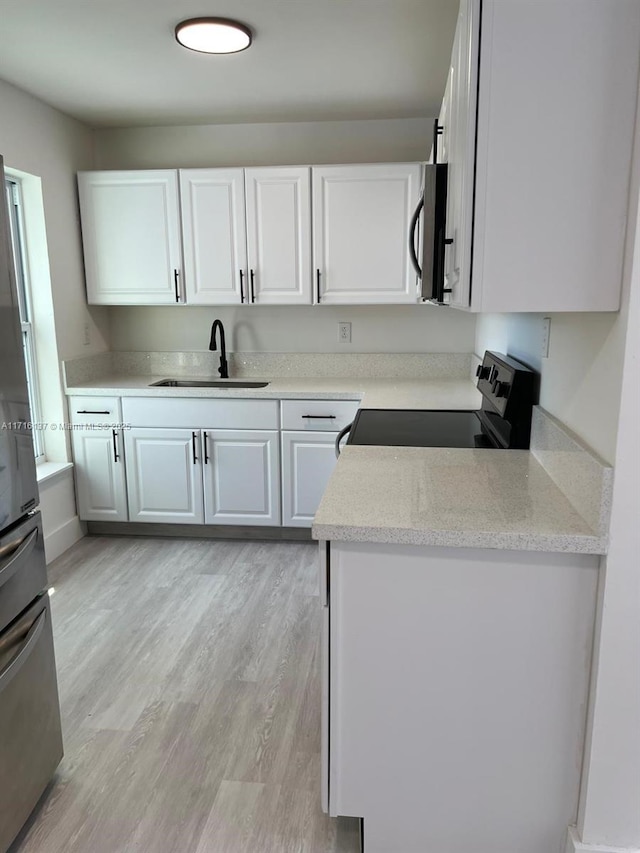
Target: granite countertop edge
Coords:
[(409, 393), (554, 543)]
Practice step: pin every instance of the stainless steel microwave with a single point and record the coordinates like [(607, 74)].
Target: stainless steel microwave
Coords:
[(433, 203)]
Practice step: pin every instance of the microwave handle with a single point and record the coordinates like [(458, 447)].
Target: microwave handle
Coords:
[(412, 237)]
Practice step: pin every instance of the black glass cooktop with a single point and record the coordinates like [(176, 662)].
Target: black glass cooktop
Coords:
[(418, 428)]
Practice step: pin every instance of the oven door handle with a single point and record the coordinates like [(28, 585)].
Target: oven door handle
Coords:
[(340, 436), (15, 665), (9, 567)]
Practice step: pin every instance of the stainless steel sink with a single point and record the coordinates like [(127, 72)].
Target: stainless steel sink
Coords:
[(208, 383)]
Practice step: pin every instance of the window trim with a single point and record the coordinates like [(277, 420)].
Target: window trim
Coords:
[(13, 193)]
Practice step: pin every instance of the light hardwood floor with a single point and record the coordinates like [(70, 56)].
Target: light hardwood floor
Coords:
[(189, 675)]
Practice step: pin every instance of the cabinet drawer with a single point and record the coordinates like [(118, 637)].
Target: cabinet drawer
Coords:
[(200, 414), (316, 415), (95, 410)]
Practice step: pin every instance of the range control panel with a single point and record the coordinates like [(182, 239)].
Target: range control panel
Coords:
[(507, 387)]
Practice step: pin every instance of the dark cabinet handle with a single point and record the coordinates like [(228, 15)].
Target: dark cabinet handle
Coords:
[(241, 286), (116, 455), (320, 417), (194, 436), (204, 447), (92, 412), (253, 293), (176, 285), (412, 237), (318, 286)]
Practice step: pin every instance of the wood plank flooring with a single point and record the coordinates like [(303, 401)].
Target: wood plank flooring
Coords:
[(189, 674)]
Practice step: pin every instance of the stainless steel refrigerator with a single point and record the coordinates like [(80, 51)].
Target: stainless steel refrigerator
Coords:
[(30, 732)]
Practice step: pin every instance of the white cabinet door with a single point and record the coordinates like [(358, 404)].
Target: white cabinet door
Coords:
[(241, 477), (101, 489), (213, 233), (361, 217), (131, 237), (308, 458), (164, 475), (459, 133), (279, 235), (550, 214)]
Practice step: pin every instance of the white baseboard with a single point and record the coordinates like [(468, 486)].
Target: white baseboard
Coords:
[(63, 537), (574, 845)]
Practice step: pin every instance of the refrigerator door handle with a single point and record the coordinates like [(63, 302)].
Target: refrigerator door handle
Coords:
[(15, 665), (8, 567)]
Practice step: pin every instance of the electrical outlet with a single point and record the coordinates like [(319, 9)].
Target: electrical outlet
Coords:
[(546, 334), (344, 333), (87, 335)]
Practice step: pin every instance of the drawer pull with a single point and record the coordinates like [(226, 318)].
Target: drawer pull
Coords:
[(14, 666), (92, 412), (10, 566), (320, 417)]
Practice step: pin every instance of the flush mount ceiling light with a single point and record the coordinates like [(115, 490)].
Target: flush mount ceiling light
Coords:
[(213, 35)]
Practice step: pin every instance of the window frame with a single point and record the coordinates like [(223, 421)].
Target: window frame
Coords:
[(13, 194)]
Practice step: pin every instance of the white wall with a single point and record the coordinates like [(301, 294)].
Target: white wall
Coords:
[(391, 328), (39, 140), (581, 378), (307, 329), (61, 526), (285, 143), (46, 148)]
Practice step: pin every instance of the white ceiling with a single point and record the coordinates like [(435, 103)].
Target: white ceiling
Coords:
[(116, 63)]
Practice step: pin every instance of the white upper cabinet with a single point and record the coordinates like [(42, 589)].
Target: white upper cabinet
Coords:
[(361, 217), (213, 233), (459, 152), (544, 173), (279, 235), (131, 237)]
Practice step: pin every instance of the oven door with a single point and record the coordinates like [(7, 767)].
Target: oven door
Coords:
[(30, 732)]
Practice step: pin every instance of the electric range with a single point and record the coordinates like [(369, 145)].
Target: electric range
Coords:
[(504, 420)]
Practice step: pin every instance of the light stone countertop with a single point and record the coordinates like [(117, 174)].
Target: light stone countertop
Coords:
[(374, 393), (450, 497)]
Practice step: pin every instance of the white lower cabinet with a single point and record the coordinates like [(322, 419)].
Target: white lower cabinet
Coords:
[(241, 477), (169, 466), (99, 461), (164, 475), (101, 488), (455, 683), (308, 458)]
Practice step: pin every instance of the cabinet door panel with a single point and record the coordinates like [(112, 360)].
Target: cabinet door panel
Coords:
[(164, 483), (550, 218), (279, 234), (100, 478), (213, 222), (308, 459), (241, 477), (461, 152), (131, 236), (360, 232)]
